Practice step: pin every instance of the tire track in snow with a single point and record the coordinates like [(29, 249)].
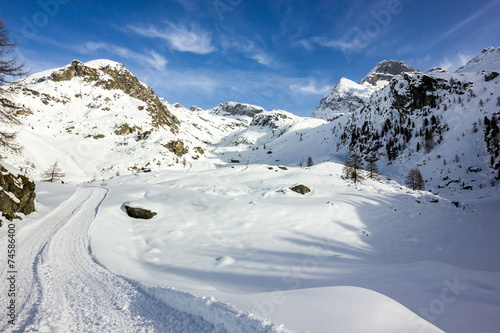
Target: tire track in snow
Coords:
[(29, 245), (63, 289)]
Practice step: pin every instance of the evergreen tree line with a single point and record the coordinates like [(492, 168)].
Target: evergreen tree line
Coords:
[(355, 169)]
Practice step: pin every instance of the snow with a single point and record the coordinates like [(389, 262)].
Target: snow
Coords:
[(232, 248), (487, 60), (345, 96), (100, 63), (241, 236)]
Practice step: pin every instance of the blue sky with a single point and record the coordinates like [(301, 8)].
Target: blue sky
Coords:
[(276, 54)]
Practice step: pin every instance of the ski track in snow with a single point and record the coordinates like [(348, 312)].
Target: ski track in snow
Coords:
[(67, 290)]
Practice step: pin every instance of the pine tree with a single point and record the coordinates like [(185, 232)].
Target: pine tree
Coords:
[(372, 167), (310, 162), (414, 180), (428, 141), (353, 167), (53, 174)]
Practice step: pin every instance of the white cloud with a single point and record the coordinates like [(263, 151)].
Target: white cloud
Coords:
[(151, 58), (311, 88), (180, 37), (353, 45), (247, 48), (454, 63), (262, 59)]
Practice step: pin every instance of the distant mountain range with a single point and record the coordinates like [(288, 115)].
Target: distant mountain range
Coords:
[(97, 120)]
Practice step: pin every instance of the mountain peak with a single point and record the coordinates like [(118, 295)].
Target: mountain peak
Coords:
[(487, 60), (237, 109), (384, 71)]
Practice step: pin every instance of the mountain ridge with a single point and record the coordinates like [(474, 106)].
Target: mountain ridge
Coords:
[(98, 120)]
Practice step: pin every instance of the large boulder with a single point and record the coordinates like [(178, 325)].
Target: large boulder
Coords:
[(139, 213), (302, 189), (17, 194), (177, 147)]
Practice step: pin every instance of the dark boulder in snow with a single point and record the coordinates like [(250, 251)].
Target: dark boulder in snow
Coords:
[(302, 189), (139, 213)]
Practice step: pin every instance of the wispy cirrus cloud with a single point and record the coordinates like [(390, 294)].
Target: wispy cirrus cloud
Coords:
[(179, 37), (312, 88), (247, 48), (342, 45), (455, 62), (465, 22), (150, 58)]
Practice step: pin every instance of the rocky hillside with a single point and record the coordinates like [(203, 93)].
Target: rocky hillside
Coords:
[(97, 120), (445, 123), (348, 96)]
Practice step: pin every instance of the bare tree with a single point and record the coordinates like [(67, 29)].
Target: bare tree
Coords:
[(414, 180), (8, 68), (53, 174), (372, 167), (353, 167)]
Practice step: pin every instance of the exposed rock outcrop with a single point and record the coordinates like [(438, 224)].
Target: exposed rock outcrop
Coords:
[(385, 71), (17, 194), (139, 213), (177, 147), (301, 189), (237, 109), (118, 77)]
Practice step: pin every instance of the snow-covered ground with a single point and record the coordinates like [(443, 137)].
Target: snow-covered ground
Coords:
[(234, 249)]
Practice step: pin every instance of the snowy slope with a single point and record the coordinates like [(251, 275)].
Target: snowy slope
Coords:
[(240, 235), (487, 60), (96, 126)]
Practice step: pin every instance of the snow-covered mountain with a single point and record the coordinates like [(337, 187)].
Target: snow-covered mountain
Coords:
[(488, 60), (444, 123), (98, 120), (231, 247), (348, 96)]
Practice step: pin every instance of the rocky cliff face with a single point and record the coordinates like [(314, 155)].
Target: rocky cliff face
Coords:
[(17, 194), (237, 109), (117, 77), (385, 71)]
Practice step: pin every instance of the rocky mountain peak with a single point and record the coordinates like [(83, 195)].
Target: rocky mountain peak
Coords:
[(487, 60), (111, 75), (385, 71), (237, 109), (344, 97)]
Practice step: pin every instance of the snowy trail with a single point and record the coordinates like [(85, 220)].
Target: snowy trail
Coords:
[(62, 288)]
